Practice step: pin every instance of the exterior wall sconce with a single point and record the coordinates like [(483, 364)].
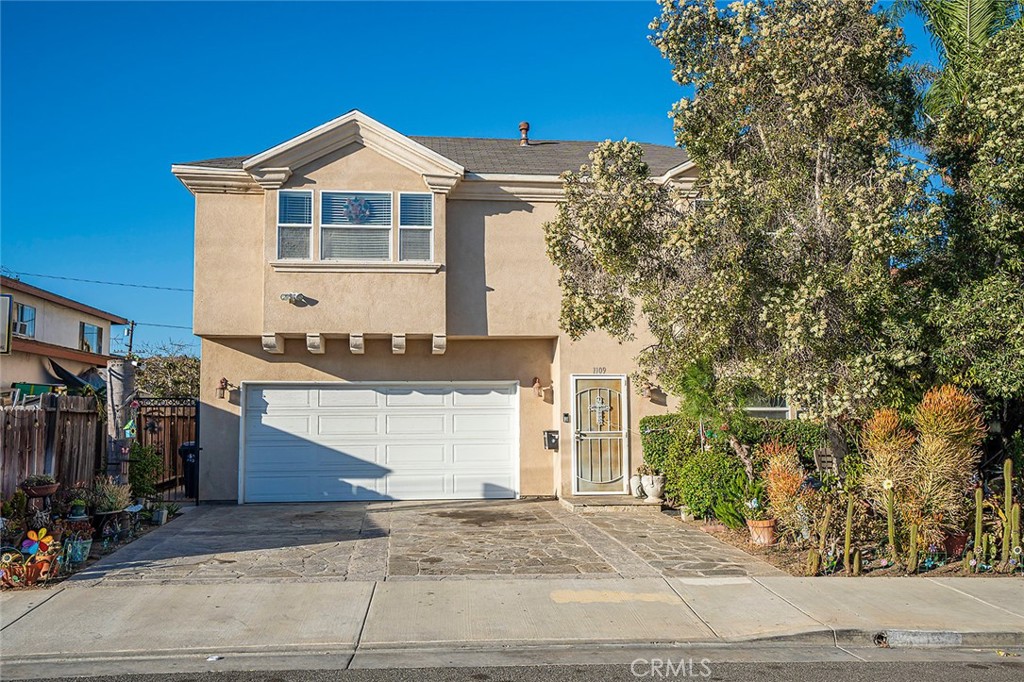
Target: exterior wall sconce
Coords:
[(538, 390), (223, 386), (650, 389)]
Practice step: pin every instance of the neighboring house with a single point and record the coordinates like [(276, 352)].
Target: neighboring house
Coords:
[(384, 318), (48, 328)]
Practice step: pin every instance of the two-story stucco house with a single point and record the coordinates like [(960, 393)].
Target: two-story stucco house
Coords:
[(48, 328), (379, 320)]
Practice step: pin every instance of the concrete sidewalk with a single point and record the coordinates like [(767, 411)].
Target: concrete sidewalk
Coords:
[(166, 624)]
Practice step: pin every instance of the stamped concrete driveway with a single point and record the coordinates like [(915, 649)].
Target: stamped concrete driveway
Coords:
[(417, 540)]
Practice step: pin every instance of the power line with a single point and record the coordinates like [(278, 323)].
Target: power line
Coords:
[(154, 324), (96, 281)]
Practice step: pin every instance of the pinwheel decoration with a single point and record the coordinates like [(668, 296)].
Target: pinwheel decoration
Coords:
[(36, 542)]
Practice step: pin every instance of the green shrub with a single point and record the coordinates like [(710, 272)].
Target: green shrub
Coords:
[(703, 477), (145, 466)]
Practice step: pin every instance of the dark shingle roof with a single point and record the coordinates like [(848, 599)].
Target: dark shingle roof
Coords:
[(496, 155)]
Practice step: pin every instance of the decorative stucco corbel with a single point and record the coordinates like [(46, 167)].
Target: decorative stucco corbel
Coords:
[(270, 178), (273, 343)]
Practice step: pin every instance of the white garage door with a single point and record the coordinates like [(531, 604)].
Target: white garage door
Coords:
[(320, 442)]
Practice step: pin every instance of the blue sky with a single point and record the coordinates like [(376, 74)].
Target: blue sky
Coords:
[(97, 100)]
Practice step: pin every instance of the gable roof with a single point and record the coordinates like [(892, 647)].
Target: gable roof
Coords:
[(17, 285), (498, 155)]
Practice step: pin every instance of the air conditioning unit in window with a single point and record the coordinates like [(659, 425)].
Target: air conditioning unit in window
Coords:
[(20, 329)]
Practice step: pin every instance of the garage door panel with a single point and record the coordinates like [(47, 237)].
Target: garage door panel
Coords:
[(482, 397), (416, 486), (349, 397), (418, 397), (348, 457), (481, 423), (497, 454), (418, 455), (277, 426), (295, 456), (278, 397), (366, 442), (489, 486), (358, 424), (418, 424)]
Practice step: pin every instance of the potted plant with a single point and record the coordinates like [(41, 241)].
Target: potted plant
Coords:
[(760, 523), (40, 485), (653, 484), (159, 515), (78, 506)]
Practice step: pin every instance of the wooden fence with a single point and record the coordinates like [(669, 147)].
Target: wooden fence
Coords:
[(62, 435)]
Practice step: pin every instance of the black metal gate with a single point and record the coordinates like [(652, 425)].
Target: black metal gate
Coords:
[(171, 425)]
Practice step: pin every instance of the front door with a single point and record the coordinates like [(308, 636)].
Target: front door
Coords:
[(599, 446)]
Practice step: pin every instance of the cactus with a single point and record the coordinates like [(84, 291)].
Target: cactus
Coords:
[(1015, 526), (1007, 505), (979, 507), (912, 556), (814, 556), (813, 562), (856, 562), (891, 522), (848, 536)]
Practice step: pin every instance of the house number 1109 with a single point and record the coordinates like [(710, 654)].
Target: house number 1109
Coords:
[(600, 370)]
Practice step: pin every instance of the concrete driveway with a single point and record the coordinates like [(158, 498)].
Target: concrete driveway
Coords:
[(417, 540)]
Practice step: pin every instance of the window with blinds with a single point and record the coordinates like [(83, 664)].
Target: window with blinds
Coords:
[(294, 224), (415, 226), (355, 226)]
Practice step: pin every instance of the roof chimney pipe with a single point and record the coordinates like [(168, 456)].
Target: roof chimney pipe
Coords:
[(524, 139)]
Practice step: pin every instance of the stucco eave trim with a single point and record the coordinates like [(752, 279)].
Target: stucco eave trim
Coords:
[(389, 268), (199, 179)]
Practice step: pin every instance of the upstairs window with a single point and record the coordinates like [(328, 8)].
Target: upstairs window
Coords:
[(415, 227), (24, 321), (294, 224), (90, 338), (355, 226), (767, 407)]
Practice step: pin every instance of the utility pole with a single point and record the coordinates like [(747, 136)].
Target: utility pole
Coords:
[(131, 337), (120, 392)]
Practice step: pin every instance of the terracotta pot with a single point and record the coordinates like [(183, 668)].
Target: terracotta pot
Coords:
[(955, 544), (762, 532), (40, 490)]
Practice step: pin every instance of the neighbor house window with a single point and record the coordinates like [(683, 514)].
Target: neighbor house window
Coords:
[(91, 338), (765, 407), (415, 226), (24, 320), (294, 224), (355, 226)]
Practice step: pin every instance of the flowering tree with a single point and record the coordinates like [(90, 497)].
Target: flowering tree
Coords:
[(777, 271), (978, 307)]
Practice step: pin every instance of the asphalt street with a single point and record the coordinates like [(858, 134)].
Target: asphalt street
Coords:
[(1000, 670)]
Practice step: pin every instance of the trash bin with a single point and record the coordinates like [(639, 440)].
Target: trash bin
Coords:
[(189, 453)]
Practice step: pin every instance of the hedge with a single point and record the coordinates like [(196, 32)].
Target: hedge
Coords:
[(670, 440)]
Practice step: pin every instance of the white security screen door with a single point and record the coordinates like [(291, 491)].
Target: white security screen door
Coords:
[(599, 446)]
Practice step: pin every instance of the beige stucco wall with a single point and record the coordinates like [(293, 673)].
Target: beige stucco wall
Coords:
[(241, 360), (501, 282), (228, 280)]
